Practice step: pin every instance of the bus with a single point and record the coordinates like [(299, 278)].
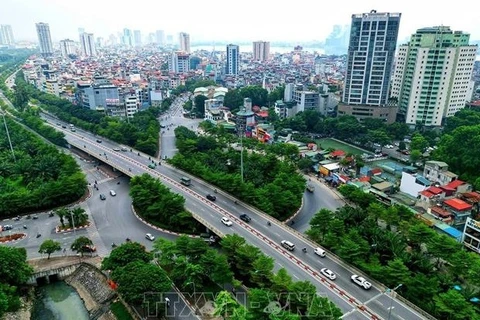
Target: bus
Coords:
[(185, 181)]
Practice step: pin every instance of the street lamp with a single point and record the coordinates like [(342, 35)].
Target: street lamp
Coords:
[(391, 299), (8, 135)]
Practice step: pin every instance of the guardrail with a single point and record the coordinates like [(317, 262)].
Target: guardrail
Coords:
[(305, 267)]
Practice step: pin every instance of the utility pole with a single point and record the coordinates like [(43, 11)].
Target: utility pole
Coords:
[(8, 135), (241, 155)]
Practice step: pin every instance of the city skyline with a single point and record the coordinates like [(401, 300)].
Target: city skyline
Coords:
[(64, 19)]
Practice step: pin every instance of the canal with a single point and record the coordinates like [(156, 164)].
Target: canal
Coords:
[(58, 301)]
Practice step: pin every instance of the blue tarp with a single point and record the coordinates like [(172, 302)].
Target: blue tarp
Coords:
[(453, 232)]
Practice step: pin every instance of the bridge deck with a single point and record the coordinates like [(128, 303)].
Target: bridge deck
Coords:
[(44, 264)]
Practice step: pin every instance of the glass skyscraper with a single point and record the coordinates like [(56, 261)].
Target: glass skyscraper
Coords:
[(371, 52)]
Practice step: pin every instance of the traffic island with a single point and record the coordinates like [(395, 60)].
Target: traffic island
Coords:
[(12, 237), (60, 229)]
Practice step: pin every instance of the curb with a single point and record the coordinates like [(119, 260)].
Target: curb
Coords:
[(23, 237), (160, 229), (295, 214), (57, 229)]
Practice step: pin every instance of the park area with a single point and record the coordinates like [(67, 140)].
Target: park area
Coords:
[(328, 143)]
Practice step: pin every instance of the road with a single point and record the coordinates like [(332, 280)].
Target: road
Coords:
[(300, 265)]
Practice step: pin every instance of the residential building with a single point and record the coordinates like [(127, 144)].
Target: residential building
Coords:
[(233, 59), (261, 50), (437, 172), (306, 100), (44, 39), (127, 38), (6, 35), (137, 38), (87, 43), (184, 43), (371, 52), (179, 62), (288, 93), (67, 47), (132, 103), (98, 95), (433, 75), (471, 235), (160, 37)]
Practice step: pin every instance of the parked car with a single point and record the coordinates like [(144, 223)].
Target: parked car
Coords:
[(149, 236), (245, 217), (102, 197), (361, 282), (211, 197), (112, 193), (320, 252), (227, 221), (328, 273), (88, 248)]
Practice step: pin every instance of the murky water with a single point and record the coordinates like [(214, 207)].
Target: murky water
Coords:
[(58, 301)]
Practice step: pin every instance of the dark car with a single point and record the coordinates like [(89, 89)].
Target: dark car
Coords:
[(211, 197), (102, 197), (99, 141), (245, 217)]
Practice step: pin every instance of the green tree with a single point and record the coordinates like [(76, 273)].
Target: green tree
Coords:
[(262, 271), (321, 222), (415, 155), (49, 246), (305, 164), (199, 103), (379, 136), (395, 272), (14, 269), (227, 307), (81, 244), (402, 146), (233, 99), (124, 254), (418, 142), (451, 305), (137, 277)]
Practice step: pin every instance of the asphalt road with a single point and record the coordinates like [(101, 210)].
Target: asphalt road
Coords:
[(300, 265)]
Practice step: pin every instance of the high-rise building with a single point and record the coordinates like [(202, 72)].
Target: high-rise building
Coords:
[(233, 59), (184, 42), (6, 35), (179, 62), (87, 43), (127, 38), (261, 50), (44, 39), (433, 75), (371, 52), (137, 38), (160, 37), (67, 47)]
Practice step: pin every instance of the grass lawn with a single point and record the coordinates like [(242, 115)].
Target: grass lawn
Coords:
[(120, 311), (327, 143)]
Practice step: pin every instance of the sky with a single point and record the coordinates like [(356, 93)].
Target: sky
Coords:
[(244, 20)]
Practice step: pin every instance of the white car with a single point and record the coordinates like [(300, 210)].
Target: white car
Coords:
[(361, 281), (328, 273), (389, 146), (227, 222), (149, 236), (320, 252), (112, 193)]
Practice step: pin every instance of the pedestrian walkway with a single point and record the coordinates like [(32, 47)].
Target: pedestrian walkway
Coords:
[(94, 235)]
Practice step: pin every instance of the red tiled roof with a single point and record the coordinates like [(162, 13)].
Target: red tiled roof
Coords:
[(440, 211), (472, 195), (458, 204), (454, 184), (435, 190), (376, 171), (364, 179), (427, 194), (337, 153)]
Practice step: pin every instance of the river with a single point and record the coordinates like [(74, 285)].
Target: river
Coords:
[(58, 301)]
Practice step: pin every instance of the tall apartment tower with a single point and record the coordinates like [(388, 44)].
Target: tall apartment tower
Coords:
[(160, 37), (44, 39), (127, 38), (184, 42), (6, 35), (433, 75), (87, 42), (67, 47), (179, 62), (233, 59), (261, 50), (137, 38), (371, 52)]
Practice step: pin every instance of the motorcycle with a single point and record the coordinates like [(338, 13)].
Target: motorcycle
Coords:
[(128, 240), (38, 235), (25, 227), (304, 250), (269, 223), (114, 245)]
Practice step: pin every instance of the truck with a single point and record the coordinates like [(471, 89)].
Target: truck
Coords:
[(310, 187)]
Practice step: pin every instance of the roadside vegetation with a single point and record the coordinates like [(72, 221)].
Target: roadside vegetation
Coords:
[(14, 274), (155, 203), (141, 132), (394, 247), (273, 186), (37, 176)]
